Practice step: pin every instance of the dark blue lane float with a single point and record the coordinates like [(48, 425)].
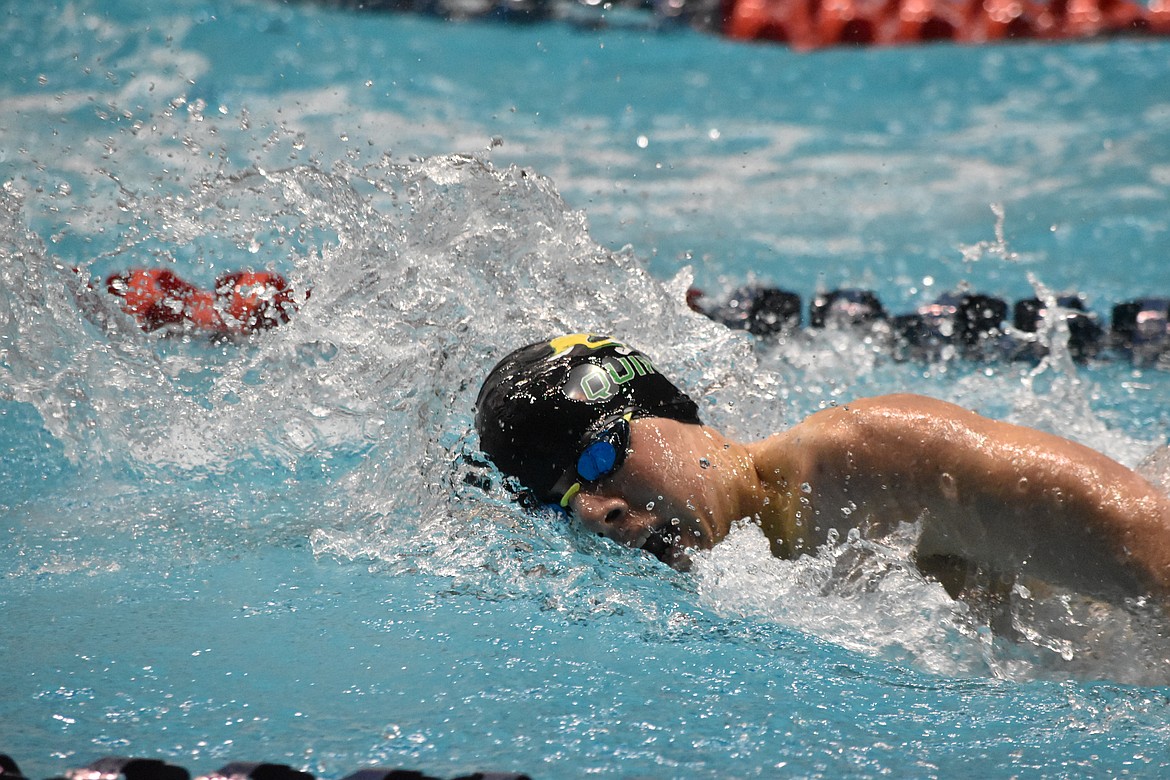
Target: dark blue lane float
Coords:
[(128, 768), (967, 325)]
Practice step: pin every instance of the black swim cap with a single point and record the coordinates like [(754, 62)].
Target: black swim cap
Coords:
[(538, 403)]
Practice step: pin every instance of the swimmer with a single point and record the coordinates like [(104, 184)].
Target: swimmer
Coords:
[(588, 424)]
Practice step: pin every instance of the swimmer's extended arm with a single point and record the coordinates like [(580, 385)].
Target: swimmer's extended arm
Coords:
[(1011, 498)]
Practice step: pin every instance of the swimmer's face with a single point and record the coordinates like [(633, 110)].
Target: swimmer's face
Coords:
[(668, 495)]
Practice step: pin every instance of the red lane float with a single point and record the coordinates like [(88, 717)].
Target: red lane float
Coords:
[(1158, 17), (811, 24), (240, 303), (255, 300)]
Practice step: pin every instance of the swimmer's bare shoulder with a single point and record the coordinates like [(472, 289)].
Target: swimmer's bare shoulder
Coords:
[(1012, 498)]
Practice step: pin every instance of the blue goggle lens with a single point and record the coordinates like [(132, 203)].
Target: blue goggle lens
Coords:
[(598, 460), (602, 456)]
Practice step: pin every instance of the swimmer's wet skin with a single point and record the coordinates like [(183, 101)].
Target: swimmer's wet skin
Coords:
[(587, 423)]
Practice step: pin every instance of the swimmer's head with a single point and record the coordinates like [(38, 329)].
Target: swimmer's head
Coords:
[(541, 402)]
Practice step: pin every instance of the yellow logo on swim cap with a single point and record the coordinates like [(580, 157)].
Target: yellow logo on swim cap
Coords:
[(563, 344)]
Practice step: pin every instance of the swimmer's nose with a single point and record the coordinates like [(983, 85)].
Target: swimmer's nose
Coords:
[(605, 515)]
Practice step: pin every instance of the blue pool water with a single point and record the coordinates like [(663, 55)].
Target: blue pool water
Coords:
[(269, 550)]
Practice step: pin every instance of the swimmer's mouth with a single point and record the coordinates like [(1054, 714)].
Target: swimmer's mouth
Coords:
[(666, 546)]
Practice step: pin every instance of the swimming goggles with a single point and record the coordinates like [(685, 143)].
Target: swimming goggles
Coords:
[(602, 453)]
